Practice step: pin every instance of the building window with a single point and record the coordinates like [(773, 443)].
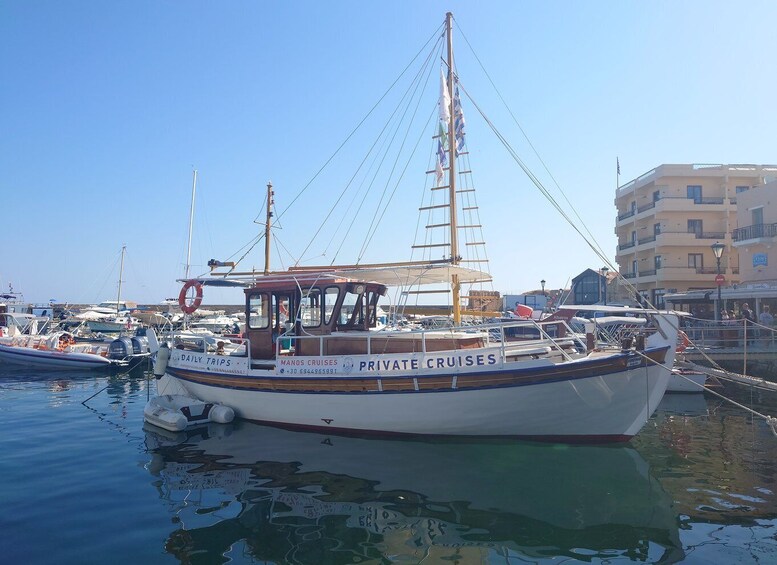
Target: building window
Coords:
[(657, 262), (634, 237), (695, 226), (633, 207), (588, 289), (634, 267), (742, 189), (658, 297), (656, 229), (758, 216), (695, 260), (694, 193), (656, 196)]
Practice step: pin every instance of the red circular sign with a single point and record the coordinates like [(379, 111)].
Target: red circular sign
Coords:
[(720, 280)]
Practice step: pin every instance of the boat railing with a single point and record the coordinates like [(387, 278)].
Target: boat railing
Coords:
[(507, 335), (729, 334), (233, 346)]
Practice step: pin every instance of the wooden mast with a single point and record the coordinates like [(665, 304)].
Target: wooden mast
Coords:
[(455, 260), (267, 232)]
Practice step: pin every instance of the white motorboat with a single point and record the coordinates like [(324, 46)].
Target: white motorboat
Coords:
[(60, 350)]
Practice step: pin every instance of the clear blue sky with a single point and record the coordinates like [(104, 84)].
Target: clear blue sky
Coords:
[(106, 107)]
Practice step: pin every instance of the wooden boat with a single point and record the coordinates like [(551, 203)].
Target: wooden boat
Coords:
[(313, 357)]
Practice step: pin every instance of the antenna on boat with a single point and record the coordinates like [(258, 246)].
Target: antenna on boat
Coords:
[(121, 273), (191, 222), (267, 229), (455, 260)]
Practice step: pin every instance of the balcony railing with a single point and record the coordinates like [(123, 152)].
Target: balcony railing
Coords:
[(711, 235), (628, 245), (755, 231), (647, 239), (709, 200), (646, 207), (625, 215), (648, 273), (629, 275)]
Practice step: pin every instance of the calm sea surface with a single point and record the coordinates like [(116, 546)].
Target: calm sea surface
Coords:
[(84, 482)]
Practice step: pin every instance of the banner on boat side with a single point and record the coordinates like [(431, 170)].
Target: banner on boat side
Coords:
[(230, 364), (388, 364)]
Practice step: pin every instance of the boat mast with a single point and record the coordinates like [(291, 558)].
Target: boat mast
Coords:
[(267, 229), (455, 259), (191, 222), (121, 273)]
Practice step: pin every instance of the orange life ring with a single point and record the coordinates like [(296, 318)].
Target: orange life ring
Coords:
[(190, 308), (684, 341)]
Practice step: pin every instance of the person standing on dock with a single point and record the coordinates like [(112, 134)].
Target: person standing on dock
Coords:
[(766, 319), (748, 321)]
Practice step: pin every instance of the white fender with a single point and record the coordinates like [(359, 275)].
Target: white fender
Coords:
[(162, 357)]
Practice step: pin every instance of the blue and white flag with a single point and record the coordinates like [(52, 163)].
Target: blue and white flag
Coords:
[(458, 121), (442, 156)]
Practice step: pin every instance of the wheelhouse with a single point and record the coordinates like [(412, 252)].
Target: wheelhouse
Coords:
[(314, 306)]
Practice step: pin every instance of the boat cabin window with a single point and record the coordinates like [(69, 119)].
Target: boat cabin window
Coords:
[(258, 311), (331, 294), (352, 310), (281, 308), (310, 308)]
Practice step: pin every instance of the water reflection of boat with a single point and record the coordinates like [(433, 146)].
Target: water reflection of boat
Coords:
[(289, 496), (685, 404)]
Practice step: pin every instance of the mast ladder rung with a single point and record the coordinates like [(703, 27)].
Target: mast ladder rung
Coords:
[(441, 291), (435, 170), (476, 281), (430, 245), (469, 208), (465, 172), (438, 225), (475, 243), (471, 226), (440, 187), (434, 207), (464, 190)]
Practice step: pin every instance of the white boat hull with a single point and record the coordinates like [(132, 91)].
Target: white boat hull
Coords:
[(52, 359), (686, 382), (601, 408)]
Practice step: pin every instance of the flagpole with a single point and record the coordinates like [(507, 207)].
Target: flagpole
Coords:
[(455, 285)]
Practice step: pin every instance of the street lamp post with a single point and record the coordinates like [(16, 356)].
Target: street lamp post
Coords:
[(717, 249), (605, 270), (542, 284)]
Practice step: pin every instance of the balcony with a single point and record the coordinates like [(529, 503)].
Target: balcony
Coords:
[(648, 239), (756, 231), (628, 245), (625, 215)]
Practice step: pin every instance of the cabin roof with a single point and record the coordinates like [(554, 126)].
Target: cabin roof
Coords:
[(408, 275)]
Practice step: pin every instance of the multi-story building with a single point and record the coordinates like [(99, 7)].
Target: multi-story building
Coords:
[(669, 218), (756, 236)]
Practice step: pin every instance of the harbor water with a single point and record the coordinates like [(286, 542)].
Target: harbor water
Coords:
[(84, 481)]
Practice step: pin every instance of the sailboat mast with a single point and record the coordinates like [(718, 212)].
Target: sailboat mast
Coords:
[(267, 230), (455, 259), (191, 223), (121, 273)]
